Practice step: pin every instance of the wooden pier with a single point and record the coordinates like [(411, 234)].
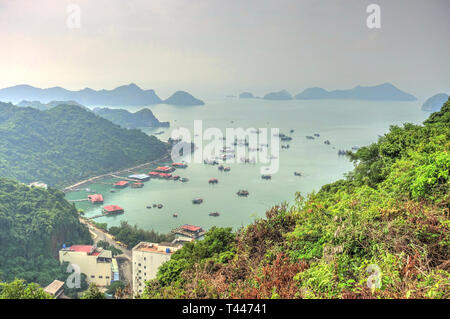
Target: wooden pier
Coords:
[(78, 200)]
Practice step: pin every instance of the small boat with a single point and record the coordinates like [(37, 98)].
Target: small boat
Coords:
[(160, 206), (184, 180), (149, 207), (286, 138), (220, 167), (327, 142), (242, 192), (292, 131), (175, 215), (266, 176), (197, 201), (316, 134), (213, 181), (227, 169), (297, 174), (176, 177), (112, 191), (355, 148), (309, 137), (215, 214), (155, 205)]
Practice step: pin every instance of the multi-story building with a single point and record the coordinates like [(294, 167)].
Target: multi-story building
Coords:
[(94, 262), (146, 259)]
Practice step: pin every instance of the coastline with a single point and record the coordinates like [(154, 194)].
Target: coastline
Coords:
[(95, 178)]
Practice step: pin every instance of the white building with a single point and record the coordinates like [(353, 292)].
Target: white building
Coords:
[(94, 262), (146, 259)]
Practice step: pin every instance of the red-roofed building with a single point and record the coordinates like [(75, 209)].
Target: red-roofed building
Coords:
[(96, 198), (191, 228), (164, 169), (112, 210), (121, 184), (190, 231), (153, 174)]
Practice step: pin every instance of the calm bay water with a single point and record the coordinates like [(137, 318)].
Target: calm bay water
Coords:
[(344, 123)]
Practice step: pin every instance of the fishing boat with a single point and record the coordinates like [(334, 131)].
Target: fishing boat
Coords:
[(197, 201), (327, 142), (316, 134), (215, 214), (184, 179), (213, 181), (149, 207), (160, 206), (266, 176), (242, 192), (292, 131), (220, 167), (297, 174), (227, 169), (309, 137), (175, 215), (286, 138)]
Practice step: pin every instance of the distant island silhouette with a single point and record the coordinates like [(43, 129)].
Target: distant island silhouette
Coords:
[(125, 95)]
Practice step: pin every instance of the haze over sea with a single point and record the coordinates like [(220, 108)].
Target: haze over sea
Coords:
[(345, 123)]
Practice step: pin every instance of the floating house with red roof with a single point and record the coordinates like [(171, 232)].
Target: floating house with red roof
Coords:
[(164, 169), (96, 198), (112, 210), (121, 184)]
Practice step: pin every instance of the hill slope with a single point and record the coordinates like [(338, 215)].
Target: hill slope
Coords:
[(386, 224), (66, 144), (34, 223)]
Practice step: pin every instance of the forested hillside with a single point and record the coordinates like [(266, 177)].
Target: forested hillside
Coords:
[(386, 223), (34, 223), (66, 144)]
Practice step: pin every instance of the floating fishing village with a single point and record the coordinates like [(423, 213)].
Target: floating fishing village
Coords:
[(173, 171)]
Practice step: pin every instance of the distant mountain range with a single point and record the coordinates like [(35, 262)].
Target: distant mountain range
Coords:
[(434, 103), (131, 95), (382, 92), (142, 118), (46, 106)]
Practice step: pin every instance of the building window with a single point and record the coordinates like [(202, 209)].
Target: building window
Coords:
[(92, 276), (139, 270), (107, 277), (100, 276)]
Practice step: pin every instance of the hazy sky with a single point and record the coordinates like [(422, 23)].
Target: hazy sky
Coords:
[(220, 47)]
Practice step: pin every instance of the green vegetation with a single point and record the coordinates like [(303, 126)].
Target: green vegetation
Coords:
[(18, 289), (387, 223), (132, 235), (34, 223), (66, 144), (114, 287), (93, 293), (105, 245)]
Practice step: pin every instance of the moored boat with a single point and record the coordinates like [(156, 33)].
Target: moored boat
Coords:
[(197, 201), (215, 214), (242, 192)]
